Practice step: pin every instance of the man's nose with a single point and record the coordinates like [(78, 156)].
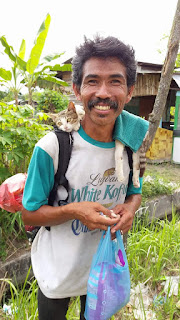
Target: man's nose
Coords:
[(103, 91)]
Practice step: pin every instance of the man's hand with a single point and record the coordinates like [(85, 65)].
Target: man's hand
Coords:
[(94, 215), (126, 211)]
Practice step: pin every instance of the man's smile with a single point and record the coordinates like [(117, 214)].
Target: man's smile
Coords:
[(102, 104), (102, 107)]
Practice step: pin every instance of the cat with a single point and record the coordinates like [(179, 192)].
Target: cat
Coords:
[(139, 161), (68, 119)]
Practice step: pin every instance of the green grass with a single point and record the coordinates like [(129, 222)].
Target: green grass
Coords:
[(23, 300), (160, 181), (156, 242), (153, 253), (11, 229)]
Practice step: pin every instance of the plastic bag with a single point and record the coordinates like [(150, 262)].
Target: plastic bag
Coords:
[(108, 288), (11, 192)]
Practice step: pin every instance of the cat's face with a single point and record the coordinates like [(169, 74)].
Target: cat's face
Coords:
[(69, 119), (68, 123)]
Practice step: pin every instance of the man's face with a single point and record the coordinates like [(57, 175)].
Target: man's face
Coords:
[(104, 90)]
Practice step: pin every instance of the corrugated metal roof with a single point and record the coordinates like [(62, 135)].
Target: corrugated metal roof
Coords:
[(176, 77)]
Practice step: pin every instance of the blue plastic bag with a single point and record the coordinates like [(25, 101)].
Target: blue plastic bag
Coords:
[(108, 288)]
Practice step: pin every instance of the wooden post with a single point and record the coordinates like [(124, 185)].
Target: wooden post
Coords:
[(166, 77)]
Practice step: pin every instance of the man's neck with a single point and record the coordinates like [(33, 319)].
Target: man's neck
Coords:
[(99, 133)]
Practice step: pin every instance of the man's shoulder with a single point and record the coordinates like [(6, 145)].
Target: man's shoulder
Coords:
[(49, 143)]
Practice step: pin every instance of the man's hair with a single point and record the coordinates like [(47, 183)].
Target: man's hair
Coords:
[(104, 48)]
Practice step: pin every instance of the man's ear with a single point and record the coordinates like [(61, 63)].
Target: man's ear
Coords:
[(77, 92), (130, 93)]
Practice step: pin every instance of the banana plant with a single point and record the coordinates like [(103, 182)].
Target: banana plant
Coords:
[(12, 78), (34, 72)]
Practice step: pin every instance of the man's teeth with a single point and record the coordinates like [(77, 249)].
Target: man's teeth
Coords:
[(102, 107)]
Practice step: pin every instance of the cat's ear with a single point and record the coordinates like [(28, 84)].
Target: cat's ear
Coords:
[(71, 106), (53, 116)]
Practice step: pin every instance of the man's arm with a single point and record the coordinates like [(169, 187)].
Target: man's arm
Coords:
[(89, 213), (126, 211)]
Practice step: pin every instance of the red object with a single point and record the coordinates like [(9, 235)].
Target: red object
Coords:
[(11, 192)]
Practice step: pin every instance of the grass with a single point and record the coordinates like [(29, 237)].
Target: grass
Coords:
[(11, 232), (22, 300), (153, 253), (157, 242), (167, 171), (160, 179)]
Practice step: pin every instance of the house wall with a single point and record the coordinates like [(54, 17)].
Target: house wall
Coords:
[(146, 84), (161, 148)]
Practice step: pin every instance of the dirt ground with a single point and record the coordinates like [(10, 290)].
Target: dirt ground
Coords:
[(168, 171)]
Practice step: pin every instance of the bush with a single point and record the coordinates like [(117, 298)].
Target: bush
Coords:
[(19, 132), (52, 101), (3, 94)]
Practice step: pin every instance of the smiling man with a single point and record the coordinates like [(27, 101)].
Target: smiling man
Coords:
[(104, 74)]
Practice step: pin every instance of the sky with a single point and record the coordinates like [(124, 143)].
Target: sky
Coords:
[(140, 23)]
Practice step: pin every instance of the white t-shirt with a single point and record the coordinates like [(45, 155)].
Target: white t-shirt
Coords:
[(61, 258)]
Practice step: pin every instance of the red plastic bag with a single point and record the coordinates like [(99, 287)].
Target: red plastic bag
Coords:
[(11, 192)]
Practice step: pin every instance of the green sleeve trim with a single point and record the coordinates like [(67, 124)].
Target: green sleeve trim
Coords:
[(131, 189), (39, 181)]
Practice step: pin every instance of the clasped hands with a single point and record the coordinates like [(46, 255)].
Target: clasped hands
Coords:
[(96, 216)]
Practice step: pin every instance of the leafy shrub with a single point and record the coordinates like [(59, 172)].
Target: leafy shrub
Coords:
[(19, 132), (52, 101), (3, 94)]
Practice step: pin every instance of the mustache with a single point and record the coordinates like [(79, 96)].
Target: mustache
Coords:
[(107, 101)]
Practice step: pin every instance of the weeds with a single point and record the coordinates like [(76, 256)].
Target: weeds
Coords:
[(23, 301), (154, 249), (12, 230)]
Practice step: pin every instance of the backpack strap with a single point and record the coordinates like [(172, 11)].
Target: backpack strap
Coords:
[(130, 160), (65, 141)]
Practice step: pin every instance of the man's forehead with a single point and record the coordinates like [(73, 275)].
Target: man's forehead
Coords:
[(96, 65), (110, 67)]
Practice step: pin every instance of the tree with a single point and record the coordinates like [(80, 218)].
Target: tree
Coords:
[(166, 77), (33, 72)]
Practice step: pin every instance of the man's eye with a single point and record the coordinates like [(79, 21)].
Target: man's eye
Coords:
[(92, 82), (116, 81)]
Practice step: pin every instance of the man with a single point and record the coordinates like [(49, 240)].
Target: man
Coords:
[(104, 73)]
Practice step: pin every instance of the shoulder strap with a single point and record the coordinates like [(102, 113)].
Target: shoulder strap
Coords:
[(65, 141), (129, 153)]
